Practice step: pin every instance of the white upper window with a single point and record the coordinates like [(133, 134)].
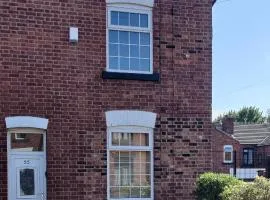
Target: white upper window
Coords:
[(129, 38), (228, 154)]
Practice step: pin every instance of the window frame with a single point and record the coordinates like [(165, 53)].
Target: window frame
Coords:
[(224, 154), (130, 8), (26, 131), (246, 151), (110, 147)]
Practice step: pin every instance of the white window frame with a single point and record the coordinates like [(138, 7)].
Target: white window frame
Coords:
[(224, 152), (110, 147), (133, 8)]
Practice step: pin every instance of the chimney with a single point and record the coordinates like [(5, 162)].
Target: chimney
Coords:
[(227, 124)]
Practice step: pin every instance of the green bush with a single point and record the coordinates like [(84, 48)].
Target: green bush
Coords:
[(257, 190), (211, 185)]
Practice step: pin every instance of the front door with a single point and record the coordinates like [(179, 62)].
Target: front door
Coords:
[(26, 164), (27, 177)]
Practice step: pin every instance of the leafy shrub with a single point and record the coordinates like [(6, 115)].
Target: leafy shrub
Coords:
[(211, 185), (257, 190)]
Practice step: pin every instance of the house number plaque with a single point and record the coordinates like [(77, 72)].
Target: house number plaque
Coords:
[(26, 162)]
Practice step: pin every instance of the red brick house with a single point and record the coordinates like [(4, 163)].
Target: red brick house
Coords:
[(104, 99), (224, 146), (246, 145)]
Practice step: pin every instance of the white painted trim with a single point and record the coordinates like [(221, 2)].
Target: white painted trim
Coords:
[(148, 3), (130, 118), (26, 122)]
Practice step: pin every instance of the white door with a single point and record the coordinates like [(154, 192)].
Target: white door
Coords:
[(26, 164), (27, 177)]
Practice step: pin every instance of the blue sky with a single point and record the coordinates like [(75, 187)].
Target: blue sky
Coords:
[(241, 55)]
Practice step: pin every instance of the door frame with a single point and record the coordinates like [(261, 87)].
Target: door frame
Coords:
[(13, 153)]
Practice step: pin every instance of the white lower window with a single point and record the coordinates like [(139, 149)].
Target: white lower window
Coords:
[(130, 165)]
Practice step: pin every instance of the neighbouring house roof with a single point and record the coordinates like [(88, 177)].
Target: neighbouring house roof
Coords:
[(256, 134), (219, 129)]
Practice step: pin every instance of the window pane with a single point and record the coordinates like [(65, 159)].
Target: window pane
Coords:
[(144, 20), (124, 139), (134, 38), (124, 192), (114, 192), (134, 65), (113, 36), (145, 52), (250, 158), (130, 139), (113, 50), (114, 180), (245, 159), (124, 63), (144, 139), (136, 139), (114, 169), (144, 64), (27, 182), (27, 142), (123, 18), (115, 139), (135, 192), (134, 19), (139, 139), (228, 156), (145, 168), (145, 156), (135, 167), (145, 180), (136, 157), (133, 176), (145, 192), (134, 51), (135, 180), (114, 156), (113, 63), (114, 18), (228, 148), (124, 177), (124, 157), (124, 50), (144, 38), (123, 37)]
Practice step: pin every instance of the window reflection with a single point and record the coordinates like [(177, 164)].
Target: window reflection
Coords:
[(27, 142)]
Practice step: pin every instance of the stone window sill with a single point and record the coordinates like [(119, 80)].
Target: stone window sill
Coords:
[(131, 76)]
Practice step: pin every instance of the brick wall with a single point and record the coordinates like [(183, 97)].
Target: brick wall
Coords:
[(42, 74)]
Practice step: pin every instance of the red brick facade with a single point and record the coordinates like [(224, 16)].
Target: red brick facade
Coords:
[(42, 74)]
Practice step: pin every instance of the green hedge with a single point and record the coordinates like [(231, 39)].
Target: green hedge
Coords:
[(257, 190), (211, 185)]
